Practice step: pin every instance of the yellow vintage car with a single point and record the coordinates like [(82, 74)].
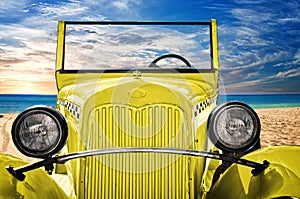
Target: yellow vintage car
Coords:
[(137, 116)]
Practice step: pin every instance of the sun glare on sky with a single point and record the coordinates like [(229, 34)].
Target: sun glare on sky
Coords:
[(259, 48), (27, 91), (32, 90)]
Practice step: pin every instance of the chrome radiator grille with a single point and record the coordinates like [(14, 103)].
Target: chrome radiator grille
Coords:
[(137, 175)]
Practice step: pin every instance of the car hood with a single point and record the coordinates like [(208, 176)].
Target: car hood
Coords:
[(137, 92)]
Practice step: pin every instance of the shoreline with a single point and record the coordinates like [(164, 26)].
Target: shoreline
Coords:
[(279, 126)]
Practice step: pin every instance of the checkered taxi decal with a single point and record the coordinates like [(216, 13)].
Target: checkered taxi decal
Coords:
[(71, 107), (200, 107)]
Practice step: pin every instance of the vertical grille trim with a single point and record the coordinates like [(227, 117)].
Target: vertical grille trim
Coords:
[(137, 175)]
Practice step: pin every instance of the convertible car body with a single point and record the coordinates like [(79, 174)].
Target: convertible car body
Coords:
[(137, 116)]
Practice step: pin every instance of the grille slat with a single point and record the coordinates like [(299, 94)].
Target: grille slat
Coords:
[(137, 175)]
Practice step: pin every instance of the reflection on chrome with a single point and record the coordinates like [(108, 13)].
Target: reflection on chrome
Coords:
[(47, 163)]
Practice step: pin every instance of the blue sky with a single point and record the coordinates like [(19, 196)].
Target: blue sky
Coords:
[(259, 40)]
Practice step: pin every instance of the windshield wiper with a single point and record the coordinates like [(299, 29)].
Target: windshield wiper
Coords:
[(18, 173)]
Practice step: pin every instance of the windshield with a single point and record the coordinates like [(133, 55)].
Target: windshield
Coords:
[(127, 46)]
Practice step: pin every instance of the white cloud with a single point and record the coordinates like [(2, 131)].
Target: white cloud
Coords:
[(61, 10), (242, 2), (258, 35), (117, 46), (11, 8), (289, 19), (295, 72), (22, 33), (260, 43), (258, 83), (28, 39), (120, 5), (296, 58), (251, 16), (125, 5)]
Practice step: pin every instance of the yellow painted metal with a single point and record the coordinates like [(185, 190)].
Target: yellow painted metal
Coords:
[(119, 110), (280, 179), (37, 184), (143, 175), (215, 44), (60, 45), (181, 178)]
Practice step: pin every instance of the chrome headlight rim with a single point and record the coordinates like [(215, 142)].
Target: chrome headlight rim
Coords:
[(58, 120), (214, 136)]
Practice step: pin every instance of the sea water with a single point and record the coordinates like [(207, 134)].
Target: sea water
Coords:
[(265, 100), (18, 103), (10, 103)]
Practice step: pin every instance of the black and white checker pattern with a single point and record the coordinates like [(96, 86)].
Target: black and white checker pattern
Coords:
[(198, 108), (72, 108)]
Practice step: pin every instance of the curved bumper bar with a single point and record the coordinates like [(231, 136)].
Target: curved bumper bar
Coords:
[(48, 163)]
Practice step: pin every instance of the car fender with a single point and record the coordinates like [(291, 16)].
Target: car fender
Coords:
[(37, 184), (281, 178)]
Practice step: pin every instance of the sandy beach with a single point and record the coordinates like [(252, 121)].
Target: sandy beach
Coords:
[(278, 126), (6, 144)]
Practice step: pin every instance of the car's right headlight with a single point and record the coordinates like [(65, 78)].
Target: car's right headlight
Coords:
[(39, 132), (234, 127)]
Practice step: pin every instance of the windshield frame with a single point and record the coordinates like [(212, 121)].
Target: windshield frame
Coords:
[(60, 59)]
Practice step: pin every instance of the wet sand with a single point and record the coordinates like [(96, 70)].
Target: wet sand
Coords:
[(278, 126)]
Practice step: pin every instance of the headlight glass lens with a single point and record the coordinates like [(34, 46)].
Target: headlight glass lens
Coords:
[(234, 127), (39, 132)]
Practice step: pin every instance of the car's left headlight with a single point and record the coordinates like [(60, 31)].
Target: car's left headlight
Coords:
[(39, 132), (234, 127)]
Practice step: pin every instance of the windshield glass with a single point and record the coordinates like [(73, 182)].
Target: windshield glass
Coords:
[(102, 46)]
